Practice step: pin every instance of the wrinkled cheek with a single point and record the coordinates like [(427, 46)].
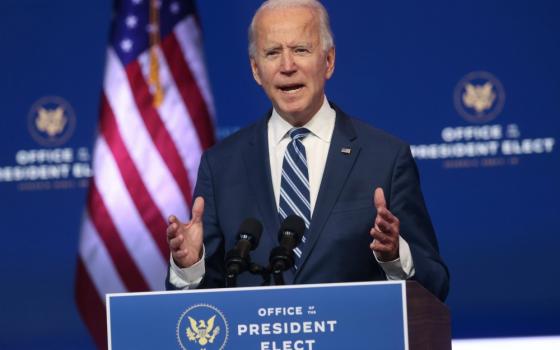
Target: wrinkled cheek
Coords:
[(269, 90)]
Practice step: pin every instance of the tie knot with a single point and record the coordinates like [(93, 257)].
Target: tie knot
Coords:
[(298, 133)]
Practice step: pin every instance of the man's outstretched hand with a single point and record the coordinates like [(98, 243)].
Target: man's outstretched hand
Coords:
[(385, 231), (185, 239)]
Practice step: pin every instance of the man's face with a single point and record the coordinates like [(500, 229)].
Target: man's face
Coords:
[(290, 63)]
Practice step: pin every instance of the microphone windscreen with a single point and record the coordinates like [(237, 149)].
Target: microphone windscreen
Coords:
[(253, 228), (295, 224)]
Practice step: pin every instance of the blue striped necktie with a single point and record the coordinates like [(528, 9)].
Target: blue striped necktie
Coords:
[(294, 184)]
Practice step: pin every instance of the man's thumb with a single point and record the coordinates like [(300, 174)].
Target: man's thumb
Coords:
[(198, 209), (379, 198)]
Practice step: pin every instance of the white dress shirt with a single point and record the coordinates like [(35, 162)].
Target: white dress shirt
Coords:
[(316, 143)]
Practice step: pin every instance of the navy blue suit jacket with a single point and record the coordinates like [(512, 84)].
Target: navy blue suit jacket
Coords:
[(234, 179)]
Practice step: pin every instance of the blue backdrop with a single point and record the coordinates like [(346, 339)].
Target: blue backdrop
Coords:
[(473, 86)]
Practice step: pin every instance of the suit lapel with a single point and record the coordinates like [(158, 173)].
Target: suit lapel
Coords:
[(257, 165), (338, 166)]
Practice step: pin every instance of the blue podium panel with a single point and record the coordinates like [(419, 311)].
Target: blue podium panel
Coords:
[(369, 315)]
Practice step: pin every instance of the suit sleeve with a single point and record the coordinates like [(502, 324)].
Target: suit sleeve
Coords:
[(407, 203), (213, 236)]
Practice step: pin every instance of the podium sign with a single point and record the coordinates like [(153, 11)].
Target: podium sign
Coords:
[(369, 315)]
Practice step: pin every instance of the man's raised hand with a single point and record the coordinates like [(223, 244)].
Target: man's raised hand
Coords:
[(385, 231), (185, 239)]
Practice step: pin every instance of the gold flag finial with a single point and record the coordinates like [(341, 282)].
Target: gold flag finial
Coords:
[(154, 80)]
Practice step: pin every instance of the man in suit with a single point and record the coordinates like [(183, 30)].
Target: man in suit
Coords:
[(361, 200)]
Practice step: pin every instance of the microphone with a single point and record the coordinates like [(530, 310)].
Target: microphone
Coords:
[(289, 236), (238, 259)]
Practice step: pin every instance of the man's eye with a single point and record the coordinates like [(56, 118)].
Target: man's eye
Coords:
[(302, 50), (271, 53)]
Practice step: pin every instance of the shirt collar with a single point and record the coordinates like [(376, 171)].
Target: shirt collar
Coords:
[(320, 125)]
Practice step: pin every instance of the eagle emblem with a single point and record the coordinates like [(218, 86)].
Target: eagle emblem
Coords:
[(479, 97), (202, 331), (51, 121)]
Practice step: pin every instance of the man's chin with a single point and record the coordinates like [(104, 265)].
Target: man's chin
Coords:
[(296, 117), (293, 105)]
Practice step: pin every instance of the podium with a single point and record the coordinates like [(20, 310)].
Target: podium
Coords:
[(387, 315)]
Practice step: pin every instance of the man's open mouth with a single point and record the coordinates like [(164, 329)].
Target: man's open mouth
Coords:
[(291, 88)]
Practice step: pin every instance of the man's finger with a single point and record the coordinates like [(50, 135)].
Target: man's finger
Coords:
[(176, 242), (173, 219), (380, 247), (379, 198), (380, 237), (386, 215), (376, 230), (197, 209), (383, 226), (172, 230)]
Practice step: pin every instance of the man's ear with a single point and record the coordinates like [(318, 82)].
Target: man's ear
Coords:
[(255, 70), (331, 56)]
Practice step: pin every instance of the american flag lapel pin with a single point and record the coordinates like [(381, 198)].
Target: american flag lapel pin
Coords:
[(346, 150)]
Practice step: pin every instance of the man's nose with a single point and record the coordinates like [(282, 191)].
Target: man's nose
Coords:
[(288, 64)]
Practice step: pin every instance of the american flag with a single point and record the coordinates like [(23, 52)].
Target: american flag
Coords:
[(156, 118)]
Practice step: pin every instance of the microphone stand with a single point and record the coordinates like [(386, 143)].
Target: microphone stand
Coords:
[(231, 281), (278, 277), (254, 269), (264, 272)]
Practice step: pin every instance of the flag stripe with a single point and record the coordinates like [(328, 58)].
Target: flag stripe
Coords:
[(132, 179), (155, 127), (156, 176), (103, 223), (190, 92), (175, 115), (189, 37), (91, 306), (135, 235), (100, 267)]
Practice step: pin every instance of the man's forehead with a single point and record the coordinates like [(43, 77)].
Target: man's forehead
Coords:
[(294, 24)]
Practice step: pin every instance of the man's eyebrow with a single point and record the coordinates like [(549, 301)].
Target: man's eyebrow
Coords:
[(301, 44), (272, 47)]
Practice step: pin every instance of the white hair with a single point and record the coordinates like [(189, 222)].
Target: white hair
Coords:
[(325, 33)]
